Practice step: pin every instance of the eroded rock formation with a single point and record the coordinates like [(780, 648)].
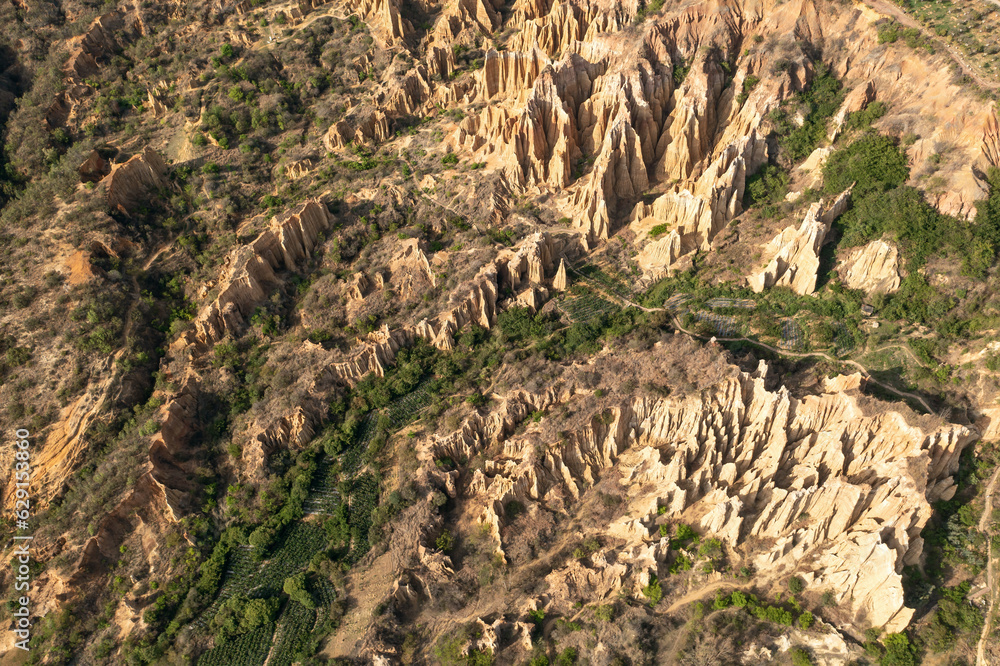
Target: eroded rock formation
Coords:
[(794, 253), (130, 183), (825, 486), (249, 273), (873, 268)]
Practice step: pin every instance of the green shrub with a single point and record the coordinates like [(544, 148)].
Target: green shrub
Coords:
[(445, 541), (866, 116), (567, 657), (768, 186), (888, 33), (898, 651), (796, 585), (801, 657), (605, 613), (819, 101), (873, 163), (681, 564), (297, 589), (653, 591)]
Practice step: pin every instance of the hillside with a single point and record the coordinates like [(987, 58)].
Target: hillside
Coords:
[(472, 332)]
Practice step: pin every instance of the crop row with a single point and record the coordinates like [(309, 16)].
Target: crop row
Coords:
[(294, 627), (791, 334), (741, 303), (676, 303), (301, 542), (611, 283), (250, 649), (724, 326), (587, 307)]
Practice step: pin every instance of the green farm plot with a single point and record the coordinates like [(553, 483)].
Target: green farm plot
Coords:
[(843, 340), (586, 307), (301, 541), (405, 409), (677, 303), (250, 649), (363, 500), (241, 568), (608, 282), (723, 325), (737, 303), (298, 622), (791, 335), (245, 575), (352, 459), (294, 627), (324, 496)]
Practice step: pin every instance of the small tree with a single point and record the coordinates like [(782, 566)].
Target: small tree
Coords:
[(445, 542), (801, 657), (605, 613), (796, 585), (296, 588), (806, 620), (653, 591)]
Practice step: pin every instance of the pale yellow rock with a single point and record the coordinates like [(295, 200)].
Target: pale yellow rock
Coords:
[(831, 492), (794, 253), (560, 282), (873, 268)]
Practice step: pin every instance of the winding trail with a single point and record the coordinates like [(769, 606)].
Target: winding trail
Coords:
[(983, 524), (702, 592), (781, 352)]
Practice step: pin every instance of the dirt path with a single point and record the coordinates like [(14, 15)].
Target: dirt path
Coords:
[(983, 524), (701, 593), (780, 352), (888, 9)]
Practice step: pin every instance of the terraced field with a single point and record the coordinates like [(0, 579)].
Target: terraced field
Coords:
[(791, 335), (586, 307), (724, 325)]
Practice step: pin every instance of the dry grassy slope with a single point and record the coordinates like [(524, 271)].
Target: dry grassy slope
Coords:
[(314, 146)]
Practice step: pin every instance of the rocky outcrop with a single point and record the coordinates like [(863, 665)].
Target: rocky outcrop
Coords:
[(560, 282), (873, 268), (249, 272), (364, 126), (794, 253), (619, 174), (509, 72), (161, 495), (94, 168), (293, 431), (177, 419), (856, 100), (299, 168), (65, 444), (697, 213), (129, 184), (385, 19), (824, 486), (103, 38), (525, 271)]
